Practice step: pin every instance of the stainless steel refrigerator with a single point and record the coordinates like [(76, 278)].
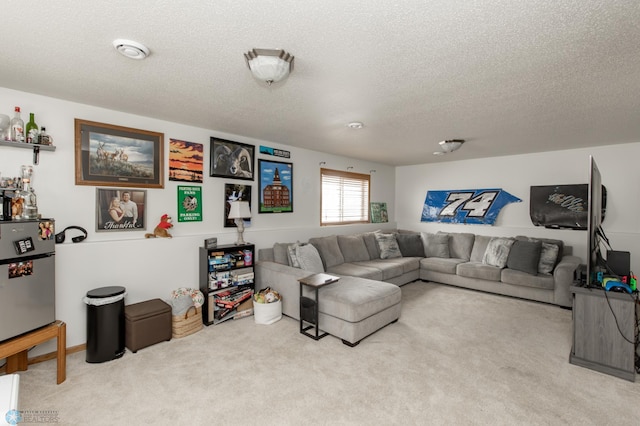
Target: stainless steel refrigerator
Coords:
[(27, 276)]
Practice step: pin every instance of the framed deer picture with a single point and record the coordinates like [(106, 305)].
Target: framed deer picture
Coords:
[(233, 160), (112, 155)]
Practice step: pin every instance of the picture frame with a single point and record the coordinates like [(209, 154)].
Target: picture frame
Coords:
[(276, 187), (230, 159), (379, 213), (235, 192), (131, 217), (185, 161), (110, 155)]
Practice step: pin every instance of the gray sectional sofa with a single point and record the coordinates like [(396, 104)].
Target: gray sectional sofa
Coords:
[(534, 269)]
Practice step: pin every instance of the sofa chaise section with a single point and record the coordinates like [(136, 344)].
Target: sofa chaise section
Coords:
[(351, 309)]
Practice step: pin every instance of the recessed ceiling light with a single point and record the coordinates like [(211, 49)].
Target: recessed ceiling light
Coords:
[(131, 49), (355, 125)]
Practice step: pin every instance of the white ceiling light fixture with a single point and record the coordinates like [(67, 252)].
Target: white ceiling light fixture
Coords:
[(131, 49), (269, 65), (355, 125), (449, 146)]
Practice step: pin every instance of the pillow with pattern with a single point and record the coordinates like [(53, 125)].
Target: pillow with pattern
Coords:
[(497, 252), (388, 245), (548, 257)]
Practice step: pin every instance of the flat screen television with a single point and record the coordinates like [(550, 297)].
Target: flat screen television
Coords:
[(594, 222)]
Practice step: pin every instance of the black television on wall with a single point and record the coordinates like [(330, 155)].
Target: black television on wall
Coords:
[(594, 222)]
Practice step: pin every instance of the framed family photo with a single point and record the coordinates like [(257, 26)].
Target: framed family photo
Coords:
[(120, 209), (118, 156), (231, 159), (276, 187)]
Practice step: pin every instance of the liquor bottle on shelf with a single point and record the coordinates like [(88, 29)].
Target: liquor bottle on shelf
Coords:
[(44, 138), (17, 127), (31, 130)]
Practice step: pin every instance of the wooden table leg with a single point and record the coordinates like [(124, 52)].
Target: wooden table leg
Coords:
[(15, 350), (17, 362), (62, 352)]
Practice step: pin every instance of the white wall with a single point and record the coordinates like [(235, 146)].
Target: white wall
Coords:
[(618, 165), (151, 268)]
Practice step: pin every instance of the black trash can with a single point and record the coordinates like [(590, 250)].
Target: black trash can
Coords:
[(105, 323)]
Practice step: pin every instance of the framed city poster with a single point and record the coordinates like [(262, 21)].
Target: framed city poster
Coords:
[(120, 209), (276, 187), (231, 159), (185, 161), (189, 203), (118, 156), (235, 192)]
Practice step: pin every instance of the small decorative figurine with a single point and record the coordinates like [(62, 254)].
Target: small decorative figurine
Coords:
[(161, 231)]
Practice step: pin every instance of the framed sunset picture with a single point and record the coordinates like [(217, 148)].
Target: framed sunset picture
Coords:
[(185, 161)]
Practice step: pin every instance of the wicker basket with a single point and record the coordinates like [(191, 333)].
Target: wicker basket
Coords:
[(188, 323)]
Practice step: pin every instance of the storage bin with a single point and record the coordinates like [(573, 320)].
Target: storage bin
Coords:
[(188, 323), (267, 313), (147, 323)]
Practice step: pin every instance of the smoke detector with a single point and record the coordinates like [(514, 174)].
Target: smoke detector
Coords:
[(131, 49)]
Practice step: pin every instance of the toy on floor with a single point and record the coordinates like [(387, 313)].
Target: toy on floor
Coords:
[(161, 231)]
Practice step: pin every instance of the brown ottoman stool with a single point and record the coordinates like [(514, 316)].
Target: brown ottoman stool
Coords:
[(147, 323)]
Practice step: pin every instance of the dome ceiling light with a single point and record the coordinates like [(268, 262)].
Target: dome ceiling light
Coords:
[(131, 49), (269, 65), (449, 146)]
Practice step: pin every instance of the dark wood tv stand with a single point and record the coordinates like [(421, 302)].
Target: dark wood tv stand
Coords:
[(599, 341)]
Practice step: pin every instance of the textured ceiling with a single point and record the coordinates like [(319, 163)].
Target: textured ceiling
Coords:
[(509, 77)]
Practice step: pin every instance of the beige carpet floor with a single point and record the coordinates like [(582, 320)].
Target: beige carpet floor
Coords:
[(455, 357)]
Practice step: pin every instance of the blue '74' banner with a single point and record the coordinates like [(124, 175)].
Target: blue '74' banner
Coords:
[(470, 206)]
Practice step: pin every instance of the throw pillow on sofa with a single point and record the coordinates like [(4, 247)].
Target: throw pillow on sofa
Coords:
[(410, 245), (309, 259), (291, 254), (435, 245), (388, 245), (548, 257), (306, 257), (497, 252), (558, 243), (524, 256)]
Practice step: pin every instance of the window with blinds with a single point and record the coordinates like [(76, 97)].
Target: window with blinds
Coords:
[(344, 197)]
